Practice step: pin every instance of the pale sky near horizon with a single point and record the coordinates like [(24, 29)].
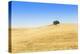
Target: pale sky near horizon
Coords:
[(31, 14)]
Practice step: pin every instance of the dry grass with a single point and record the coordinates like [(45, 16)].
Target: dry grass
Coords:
[(63, 36)]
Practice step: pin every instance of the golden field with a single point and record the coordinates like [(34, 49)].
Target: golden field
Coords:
[(46, 38)]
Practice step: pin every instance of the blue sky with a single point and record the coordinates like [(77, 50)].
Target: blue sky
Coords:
[(31, 14)]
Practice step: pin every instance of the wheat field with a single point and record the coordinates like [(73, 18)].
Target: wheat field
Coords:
[(46, 38)]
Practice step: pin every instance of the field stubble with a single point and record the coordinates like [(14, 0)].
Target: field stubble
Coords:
[(50, 37)]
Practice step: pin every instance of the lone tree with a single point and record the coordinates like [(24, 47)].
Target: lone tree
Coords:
[(56, 22)]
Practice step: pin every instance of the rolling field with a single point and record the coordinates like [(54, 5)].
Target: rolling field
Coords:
[(46, 38)]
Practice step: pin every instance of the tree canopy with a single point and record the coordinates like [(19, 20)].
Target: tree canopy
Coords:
[(56, 22)]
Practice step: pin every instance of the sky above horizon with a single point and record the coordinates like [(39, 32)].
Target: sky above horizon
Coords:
[(31, 14)]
